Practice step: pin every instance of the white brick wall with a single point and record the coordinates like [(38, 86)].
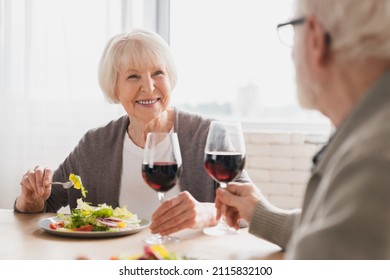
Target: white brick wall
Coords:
[(279, 164)]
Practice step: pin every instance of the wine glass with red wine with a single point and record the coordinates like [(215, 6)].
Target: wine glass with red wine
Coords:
[(224, 160), (161, 170)]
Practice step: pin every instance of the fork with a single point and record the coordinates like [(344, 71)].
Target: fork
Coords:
[(65, 185)]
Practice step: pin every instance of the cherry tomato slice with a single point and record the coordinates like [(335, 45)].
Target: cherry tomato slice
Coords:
[(84, 228), (57, 225)]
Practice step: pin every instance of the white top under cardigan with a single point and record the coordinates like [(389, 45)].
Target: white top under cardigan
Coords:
[(134, 192)]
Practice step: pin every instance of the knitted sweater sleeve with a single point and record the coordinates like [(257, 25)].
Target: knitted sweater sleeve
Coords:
[(273, 224)]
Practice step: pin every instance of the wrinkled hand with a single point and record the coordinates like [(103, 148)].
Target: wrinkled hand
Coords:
[(182, 212), (237, 201), (35, 189)]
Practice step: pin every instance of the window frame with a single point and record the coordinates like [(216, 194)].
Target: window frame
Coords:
[(321, 128)]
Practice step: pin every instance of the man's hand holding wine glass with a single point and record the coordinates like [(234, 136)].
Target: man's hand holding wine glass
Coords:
[(224, 161), (237, 202)]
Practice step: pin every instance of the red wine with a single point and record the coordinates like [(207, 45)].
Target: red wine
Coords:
[(224, 166), (162, 176)]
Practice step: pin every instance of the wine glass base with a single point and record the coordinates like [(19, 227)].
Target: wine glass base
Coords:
[(220, 231), (152, 240)]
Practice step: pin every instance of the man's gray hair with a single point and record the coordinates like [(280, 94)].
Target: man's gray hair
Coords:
[(359, 29)]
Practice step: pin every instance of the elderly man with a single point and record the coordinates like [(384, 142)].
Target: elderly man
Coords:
[(342, 57)]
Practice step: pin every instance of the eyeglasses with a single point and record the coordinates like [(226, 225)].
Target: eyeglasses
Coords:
[(286, 31)]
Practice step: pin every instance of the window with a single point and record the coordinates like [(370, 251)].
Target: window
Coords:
[(231, 63), (49, 92), (229, 59)]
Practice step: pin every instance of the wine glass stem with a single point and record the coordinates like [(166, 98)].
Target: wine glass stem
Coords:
[(160, 197), (222, 222)]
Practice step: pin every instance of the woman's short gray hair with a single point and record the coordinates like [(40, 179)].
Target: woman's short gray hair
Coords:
[(139, 49), (358, 29)]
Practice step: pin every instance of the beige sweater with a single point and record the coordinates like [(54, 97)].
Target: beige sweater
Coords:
[(346, 209)]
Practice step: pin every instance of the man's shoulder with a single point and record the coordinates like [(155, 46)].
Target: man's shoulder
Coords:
[(374, 134)]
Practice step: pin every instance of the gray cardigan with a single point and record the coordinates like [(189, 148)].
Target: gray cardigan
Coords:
[(98, 160), (346, 209)]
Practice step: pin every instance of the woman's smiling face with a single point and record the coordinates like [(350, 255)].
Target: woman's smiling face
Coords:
[(144, 93)]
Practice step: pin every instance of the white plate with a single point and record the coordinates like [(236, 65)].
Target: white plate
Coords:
[(45, 225)]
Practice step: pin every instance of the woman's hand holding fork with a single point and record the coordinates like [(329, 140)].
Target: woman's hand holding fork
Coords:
[(35, 189)]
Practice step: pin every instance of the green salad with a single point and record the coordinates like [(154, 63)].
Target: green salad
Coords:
[(96, 218)]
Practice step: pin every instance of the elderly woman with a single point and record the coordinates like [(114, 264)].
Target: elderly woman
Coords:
[(342, 61), (137, 71)]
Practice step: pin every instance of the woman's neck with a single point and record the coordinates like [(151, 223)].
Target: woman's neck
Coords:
[(138, 129)]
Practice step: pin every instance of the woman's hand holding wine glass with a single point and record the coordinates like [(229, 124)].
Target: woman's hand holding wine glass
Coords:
[(161, 170)]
